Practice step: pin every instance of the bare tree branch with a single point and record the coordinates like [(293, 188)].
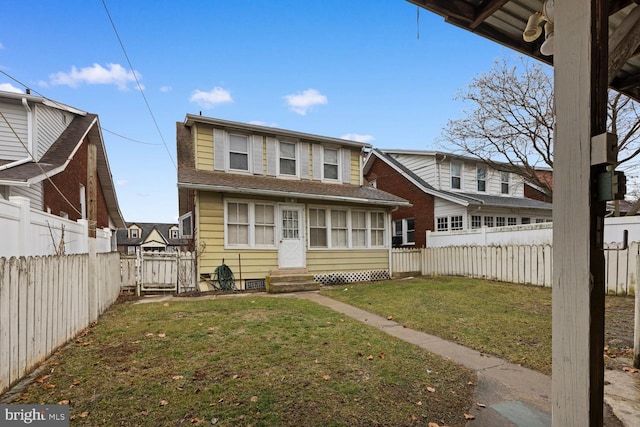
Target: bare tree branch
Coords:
[(510, 121)]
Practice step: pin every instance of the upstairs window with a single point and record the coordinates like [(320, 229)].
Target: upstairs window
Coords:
[(330, 163), (505, 178), (173, 234), (288, 159), (456, 175), (481, 177), (238, 152), (134, 233)]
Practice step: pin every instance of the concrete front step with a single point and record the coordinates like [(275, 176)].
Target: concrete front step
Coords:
[(293, 280), (291, 286)]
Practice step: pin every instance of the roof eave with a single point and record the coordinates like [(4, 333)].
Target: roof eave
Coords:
[(190, 119), (278, 193)]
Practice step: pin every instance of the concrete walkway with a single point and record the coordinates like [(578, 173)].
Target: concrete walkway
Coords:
[(511, 395)]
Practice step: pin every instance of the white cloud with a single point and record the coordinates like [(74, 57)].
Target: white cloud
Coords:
[(358, 137), (210, 99), (165, 89), (114, 74), (302, 102), (8, 87)]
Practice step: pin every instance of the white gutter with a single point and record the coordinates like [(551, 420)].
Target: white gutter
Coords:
[(25, 104)]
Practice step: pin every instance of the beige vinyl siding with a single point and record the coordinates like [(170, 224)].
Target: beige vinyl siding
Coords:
[(327, 261), (355, 167), (255, 263), (204, 146), (423, 166)]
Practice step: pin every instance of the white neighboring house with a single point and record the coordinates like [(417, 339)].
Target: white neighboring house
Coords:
[(450, 192), (55, 182)]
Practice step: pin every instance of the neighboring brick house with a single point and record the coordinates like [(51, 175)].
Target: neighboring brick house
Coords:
[(270, 201), (44, 153), (449, 193), (151, 237)]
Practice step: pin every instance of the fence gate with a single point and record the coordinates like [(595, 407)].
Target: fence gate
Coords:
[(159, 271)]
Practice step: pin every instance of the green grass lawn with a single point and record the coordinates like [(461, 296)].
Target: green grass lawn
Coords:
[(503, 319), (255, 360), (506, 320)]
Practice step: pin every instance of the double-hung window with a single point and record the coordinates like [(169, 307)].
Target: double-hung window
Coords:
[(330, 164), (456, 174), (317, 228), (358, 229), (442, 223), (476, 221), (456, 222), (481, 177), (505, 178), (238, 152), (339, 229), (404, 231), (345, 228), (288, 159), (250, 224), (377, 229)]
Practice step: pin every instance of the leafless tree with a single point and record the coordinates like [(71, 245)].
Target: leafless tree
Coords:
[(510, 122)]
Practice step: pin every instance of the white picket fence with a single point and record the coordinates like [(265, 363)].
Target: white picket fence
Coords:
[(159, 271), (46, 301), (525, 264)]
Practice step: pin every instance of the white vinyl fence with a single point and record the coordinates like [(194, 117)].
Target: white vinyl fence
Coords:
[(46, 301), (30, 232), (525, 264)]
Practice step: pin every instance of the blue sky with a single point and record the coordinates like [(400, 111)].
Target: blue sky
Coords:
[(342, 68)]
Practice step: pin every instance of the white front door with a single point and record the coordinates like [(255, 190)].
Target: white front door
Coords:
[(291, 249)]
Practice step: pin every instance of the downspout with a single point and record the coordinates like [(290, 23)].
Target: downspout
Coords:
[(25, 104), (439, 163), (390, 234)]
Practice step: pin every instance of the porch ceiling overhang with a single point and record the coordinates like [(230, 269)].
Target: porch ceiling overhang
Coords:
[(504, 21)]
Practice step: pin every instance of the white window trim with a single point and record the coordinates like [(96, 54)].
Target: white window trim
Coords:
[(404, 231), (187, 234), (338, 164), (252, 224), (486, 173), (297, 148), (459, 162), (227, 148), (508, 182), (349, 246)]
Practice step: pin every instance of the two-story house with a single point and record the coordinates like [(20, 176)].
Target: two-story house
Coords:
[(53, 157), (151, 237), (449, 193), (266, 201)]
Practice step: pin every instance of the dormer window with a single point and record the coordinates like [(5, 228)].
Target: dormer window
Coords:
[(174, 234), (288, 157), (238, 152), (134, 233)]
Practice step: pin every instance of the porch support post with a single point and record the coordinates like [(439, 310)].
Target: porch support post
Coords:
[(580, 68)]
